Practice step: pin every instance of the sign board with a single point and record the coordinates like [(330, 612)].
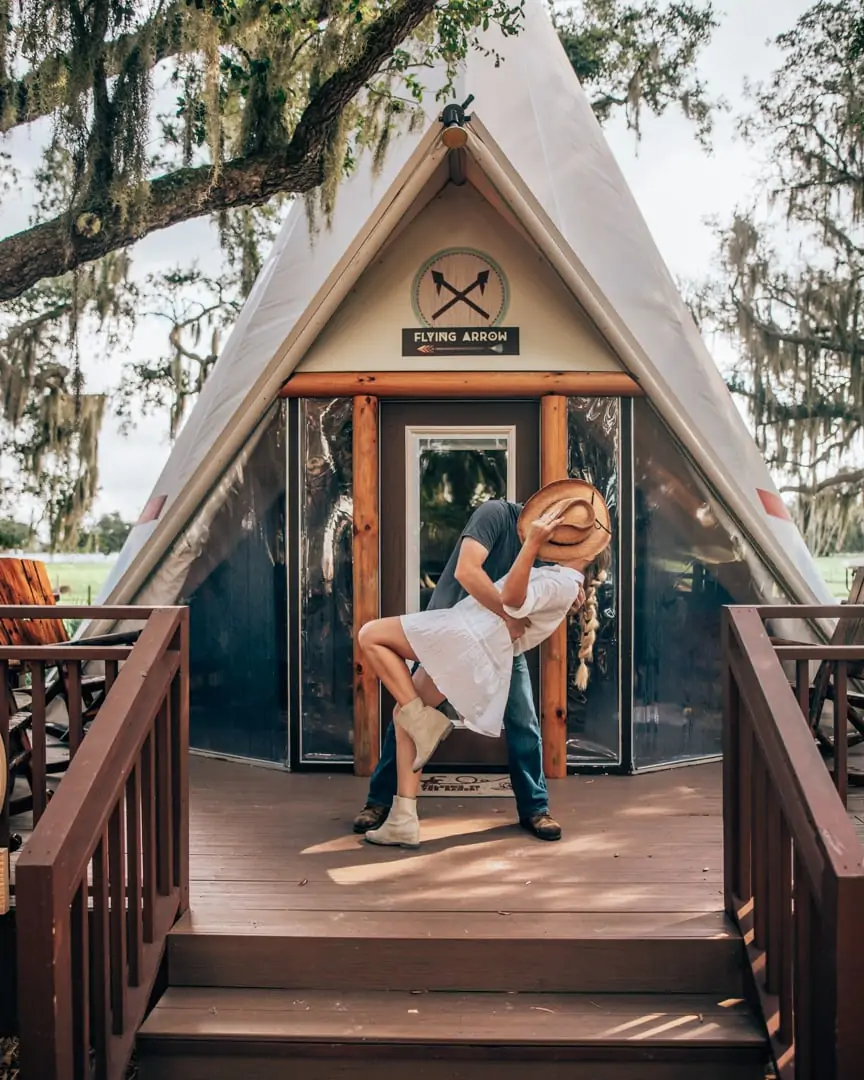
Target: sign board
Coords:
[(460, 298), (462, 341)]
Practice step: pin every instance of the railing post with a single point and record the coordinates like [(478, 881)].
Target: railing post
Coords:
[(841, 726), (802, 970), (731, 756), (45, 981), (839, 1026), (180, 772)]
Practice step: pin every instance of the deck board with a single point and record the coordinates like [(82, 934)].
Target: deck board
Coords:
[(646, 846), (452, 1018)]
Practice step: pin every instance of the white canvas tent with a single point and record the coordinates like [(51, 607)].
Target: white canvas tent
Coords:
[(535, 139)]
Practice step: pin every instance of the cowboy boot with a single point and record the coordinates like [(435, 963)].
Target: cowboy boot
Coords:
[(402, 827), (426, 726)]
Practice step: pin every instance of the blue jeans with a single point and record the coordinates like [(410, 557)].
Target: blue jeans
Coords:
[(524, 751)]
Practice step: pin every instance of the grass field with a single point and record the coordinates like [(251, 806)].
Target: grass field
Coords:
[(75, 579), (838, 571), (78, 582)]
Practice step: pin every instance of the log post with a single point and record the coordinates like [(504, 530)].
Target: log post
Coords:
[(553, 651), (367, 725)]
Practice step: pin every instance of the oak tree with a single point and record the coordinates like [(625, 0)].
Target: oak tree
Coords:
[(790, 295), (155, 112)]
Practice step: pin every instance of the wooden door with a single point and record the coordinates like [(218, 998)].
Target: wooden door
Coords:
[(438, 461)]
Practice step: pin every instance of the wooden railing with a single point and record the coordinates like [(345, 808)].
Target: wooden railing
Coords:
[(40, 672), (794, 867), (104, 875)]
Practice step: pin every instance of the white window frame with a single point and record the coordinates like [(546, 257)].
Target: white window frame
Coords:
[(414, 436)]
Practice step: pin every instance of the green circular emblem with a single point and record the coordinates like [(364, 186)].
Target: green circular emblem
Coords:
[(460, 287)]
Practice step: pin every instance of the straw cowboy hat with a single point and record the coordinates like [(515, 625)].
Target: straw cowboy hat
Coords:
[(585, 529)]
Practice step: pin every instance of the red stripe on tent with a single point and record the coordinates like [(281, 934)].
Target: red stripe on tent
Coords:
[(152, 510), (774, 505)]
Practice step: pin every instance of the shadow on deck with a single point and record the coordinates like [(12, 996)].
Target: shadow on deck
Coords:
[(647, 848)]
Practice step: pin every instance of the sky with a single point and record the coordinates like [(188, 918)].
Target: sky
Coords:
[(678, 186)]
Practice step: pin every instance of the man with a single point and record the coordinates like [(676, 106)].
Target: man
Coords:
[(483, 554)]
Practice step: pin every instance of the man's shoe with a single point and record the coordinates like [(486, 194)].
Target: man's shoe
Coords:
[(370, 817), (543, 826)]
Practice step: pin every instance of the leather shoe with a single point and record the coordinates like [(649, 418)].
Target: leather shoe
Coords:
[(370, 817), (543, 826)]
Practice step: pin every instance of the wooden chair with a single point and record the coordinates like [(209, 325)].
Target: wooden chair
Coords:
[(847, 632), (25, 581)]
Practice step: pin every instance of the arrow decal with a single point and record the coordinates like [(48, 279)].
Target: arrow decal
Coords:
[(460, 295)]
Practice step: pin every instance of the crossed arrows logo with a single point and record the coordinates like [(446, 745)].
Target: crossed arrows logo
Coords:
[(460, 295)]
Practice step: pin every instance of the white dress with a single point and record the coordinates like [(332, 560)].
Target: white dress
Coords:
[(467, 652)]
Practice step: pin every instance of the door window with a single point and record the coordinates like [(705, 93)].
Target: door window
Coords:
[(449, 473)]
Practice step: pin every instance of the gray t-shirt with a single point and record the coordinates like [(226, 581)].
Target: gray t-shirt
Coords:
[(493, 524)]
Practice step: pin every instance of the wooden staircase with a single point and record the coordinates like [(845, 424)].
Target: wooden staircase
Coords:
[(321, 995)]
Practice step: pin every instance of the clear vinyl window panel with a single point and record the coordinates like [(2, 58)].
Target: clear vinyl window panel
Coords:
[(450, 472), (232, 560), (690, 560), (325, 663), (593, 715)]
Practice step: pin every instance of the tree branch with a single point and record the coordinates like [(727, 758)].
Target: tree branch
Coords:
[(92, 231), (42, 91), (182, 324), (853, 477), (789, 337), (22, 328), (599, 105), (820, 409)]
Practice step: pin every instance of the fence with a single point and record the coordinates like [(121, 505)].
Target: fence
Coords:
[(794, 868), (104, 874)]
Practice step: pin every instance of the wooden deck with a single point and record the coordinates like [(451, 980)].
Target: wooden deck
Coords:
[(302, 940), (605, 955), (646, 848)]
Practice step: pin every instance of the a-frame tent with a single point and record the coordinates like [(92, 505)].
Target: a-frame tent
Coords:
[(536, 157), (535, 137)]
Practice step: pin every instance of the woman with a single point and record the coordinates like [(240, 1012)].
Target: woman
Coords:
[(466, 653)]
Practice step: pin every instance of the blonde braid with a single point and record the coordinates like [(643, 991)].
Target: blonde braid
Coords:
[(588, 619)]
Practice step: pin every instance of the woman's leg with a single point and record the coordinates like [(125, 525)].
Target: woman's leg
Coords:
[(408, 781), (402, 827), (386, 649)]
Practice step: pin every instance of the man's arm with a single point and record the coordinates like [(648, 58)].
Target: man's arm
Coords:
[(477, 583)]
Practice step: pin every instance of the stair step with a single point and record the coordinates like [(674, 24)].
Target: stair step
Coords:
[(450, 951), (250, 1034)]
